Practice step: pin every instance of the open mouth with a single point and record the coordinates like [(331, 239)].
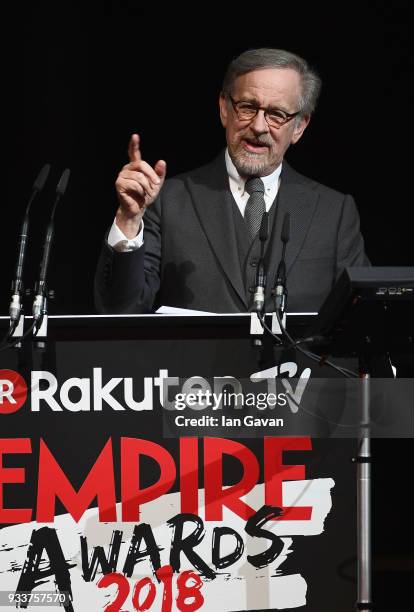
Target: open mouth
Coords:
[(254, 146)]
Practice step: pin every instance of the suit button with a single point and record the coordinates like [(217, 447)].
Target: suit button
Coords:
[(253, 263)]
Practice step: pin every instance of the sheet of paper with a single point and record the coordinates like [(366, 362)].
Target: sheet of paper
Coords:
[(171, 310)]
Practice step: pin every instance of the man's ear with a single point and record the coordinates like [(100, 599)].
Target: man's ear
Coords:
[(223, 109), (300, 127)]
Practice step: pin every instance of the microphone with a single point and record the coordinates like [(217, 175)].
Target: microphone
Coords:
[(280, 289), (261, 275), (39, 306), (15, 307)]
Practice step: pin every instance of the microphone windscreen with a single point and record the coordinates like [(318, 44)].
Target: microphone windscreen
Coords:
[(41, 178), (286, 228), (63, 182), (264, 227)]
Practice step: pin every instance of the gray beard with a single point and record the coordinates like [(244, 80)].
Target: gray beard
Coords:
[(248, 166)]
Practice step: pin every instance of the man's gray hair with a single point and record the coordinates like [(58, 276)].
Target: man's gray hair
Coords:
[(256, 59)]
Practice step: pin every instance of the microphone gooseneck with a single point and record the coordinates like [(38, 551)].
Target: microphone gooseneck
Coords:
[(261, 274), (39, 308), (15, 307), (280, 288)]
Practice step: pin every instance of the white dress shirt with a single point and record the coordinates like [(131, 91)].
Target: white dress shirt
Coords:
[(237, 184)]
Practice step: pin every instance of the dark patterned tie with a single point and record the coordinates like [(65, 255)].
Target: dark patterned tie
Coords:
[(255, 206)]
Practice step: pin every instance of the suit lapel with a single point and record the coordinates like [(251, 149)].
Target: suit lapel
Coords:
[(209, 190), (297, 198)]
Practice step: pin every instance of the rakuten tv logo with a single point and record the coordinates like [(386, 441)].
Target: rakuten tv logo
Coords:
[(95, 394), (13, 391)]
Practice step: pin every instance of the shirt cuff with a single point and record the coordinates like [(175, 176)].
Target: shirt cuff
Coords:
[(119, 242)]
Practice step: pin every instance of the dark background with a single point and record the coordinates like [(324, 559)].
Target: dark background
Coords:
[(77, 84)]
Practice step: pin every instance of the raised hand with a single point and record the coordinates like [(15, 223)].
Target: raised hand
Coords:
[(137, 186)]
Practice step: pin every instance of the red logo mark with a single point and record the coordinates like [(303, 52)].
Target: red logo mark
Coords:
[(13, 391)]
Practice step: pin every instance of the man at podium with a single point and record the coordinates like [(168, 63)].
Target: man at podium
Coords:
[(192, 241)]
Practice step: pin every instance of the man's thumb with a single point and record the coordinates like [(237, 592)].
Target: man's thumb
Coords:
[(161, 168)]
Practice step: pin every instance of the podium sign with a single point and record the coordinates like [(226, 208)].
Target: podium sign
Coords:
[(101, 509)]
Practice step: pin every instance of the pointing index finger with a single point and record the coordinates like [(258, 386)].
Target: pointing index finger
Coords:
[(134, 152)]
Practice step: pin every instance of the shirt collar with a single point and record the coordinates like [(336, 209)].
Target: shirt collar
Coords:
[(270, 181)]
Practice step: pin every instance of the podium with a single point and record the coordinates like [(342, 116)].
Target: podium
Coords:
[(87, 459)]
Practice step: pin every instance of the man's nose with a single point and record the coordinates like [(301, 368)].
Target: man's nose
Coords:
[(259, 123)]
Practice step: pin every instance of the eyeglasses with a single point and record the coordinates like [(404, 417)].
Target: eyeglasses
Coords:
[(246, 111)]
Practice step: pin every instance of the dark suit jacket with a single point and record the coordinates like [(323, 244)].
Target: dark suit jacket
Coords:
[(190, 257)]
